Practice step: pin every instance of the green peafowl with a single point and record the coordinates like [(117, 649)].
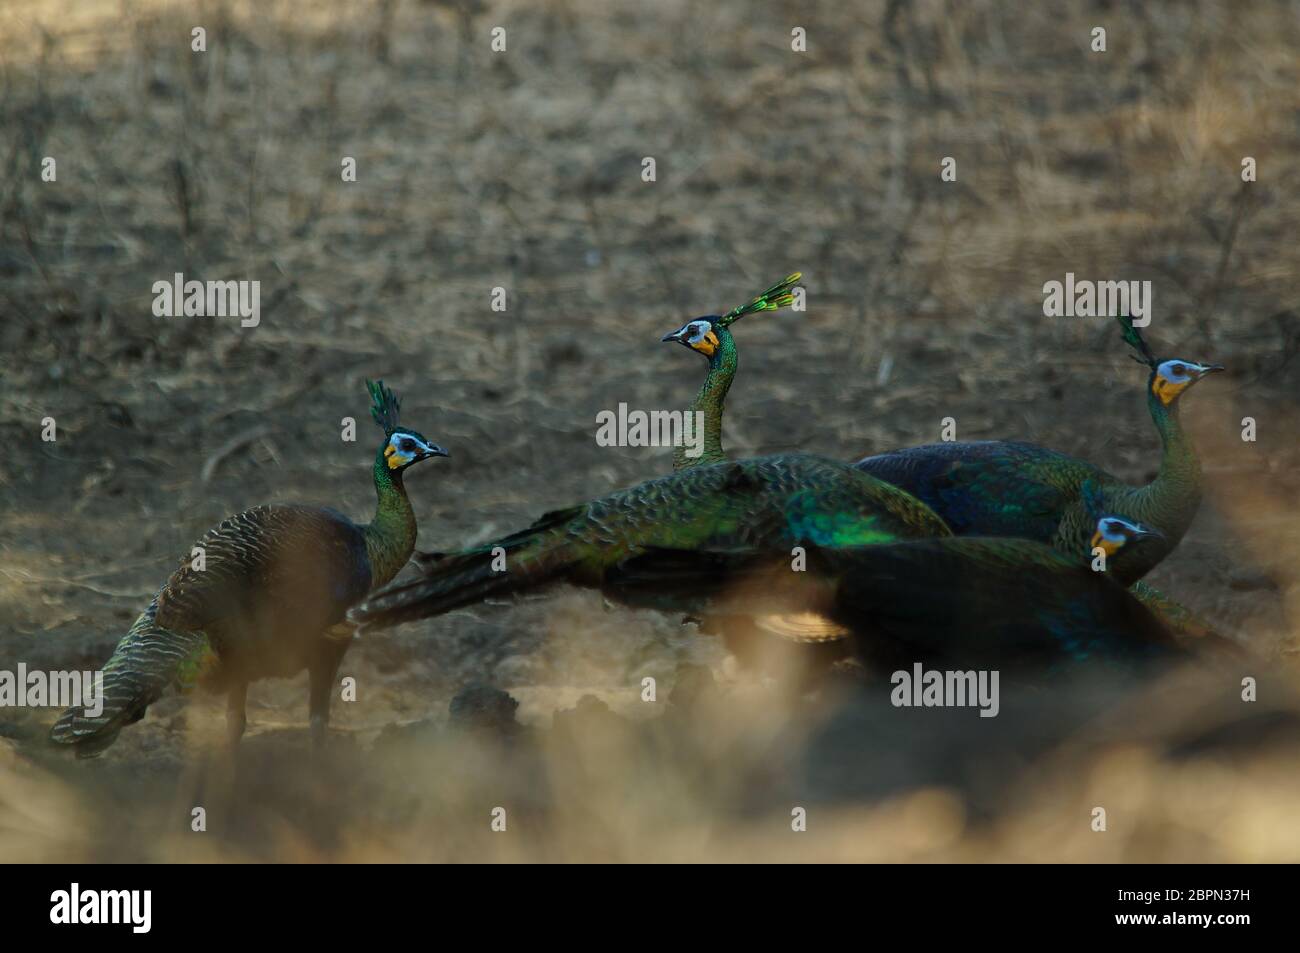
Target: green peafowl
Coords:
[(265, 601), (965, 601), (709, 336), (1002, 488), (903, 595), (764, 505)]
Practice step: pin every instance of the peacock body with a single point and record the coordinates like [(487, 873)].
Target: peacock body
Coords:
[(889, 578), (766, 505), (260, 600), (993, 488), (1000, 488), (958, 601)]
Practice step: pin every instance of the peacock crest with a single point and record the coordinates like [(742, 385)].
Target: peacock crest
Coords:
[(1133, 338), (384, 406), (777, 296)]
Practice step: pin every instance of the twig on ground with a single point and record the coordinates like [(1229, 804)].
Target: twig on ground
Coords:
[(230, 446)]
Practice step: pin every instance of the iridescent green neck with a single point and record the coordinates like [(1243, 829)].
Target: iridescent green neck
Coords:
[(390, 536), (1169, 502), (709, 401)]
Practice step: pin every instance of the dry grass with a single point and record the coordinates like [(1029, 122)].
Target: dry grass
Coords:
[(522, 171)]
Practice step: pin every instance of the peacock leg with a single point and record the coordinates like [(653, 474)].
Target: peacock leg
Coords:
[(322, 671), (235, 717)]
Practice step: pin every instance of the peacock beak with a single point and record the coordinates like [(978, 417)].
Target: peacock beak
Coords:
[(678, 335), (433, 450)]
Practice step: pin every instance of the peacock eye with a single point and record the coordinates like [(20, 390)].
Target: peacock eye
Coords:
[(408, 445), (1178, 368)]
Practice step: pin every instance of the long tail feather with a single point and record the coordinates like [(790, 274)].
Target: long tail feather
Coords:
[(524, 560), (1191, 630), (147, 661)]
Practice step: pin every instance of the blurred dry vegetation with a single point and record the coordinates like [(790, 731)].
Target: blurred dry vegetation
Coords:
[(522, 170)]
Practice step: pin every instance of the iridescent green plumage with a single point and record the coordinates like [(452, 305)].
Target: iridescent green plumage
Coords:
[(258, 597), (708, 406), (384, 406), (778, 296), (960, 602), (723, 361), (1133, 338), (747, 552), (1005, 488), (765, 505), (1002, 488)]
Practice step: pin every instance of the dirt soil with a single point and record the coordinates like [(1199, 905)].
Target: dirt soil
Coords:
[(522, 170)]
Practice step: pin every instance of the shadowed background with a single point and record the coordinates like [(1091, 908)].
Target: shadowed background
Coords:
[(523, 170)]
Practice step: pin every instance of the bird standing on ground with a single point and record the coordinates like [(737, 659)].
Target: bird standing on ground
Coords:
[(261, 600)]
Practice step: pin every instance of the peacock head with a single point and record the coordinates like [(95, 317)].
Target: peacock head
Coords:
[(1169, 377), (403, 447), (707, 334), (1113, 533), (701, 334)]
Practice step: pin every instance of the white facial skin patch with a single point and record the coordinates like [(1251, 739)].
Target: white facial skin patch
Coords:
[(404, 448)]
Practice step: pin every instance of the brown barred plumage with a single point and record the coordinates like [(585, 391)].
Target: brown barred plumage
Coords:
[(258, 598)]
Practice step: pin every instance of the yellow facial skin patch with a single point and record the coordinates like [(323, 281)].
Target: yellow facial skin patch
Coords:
[(1106, 546), (707, 344), (395, 457), (1167, 390)]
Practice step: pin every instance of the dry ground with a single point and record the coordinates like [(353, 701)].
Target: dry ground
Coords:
[(522, 170)]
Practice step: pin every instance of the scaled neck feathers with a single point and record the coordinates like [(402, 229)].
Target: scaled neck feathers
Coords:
[(709, 401), (390, 536)]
